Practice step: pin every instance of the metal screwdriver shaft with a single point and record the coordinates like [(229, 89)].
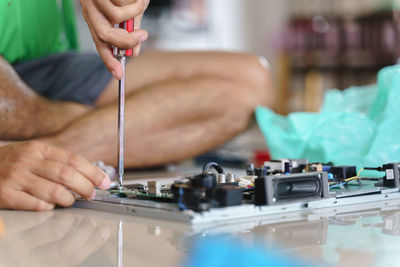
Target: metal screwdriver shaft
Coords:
[(121, 54), (121, 124)]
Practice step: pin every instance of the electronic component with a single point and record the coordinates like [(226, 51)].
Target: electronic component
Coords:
[(205, 198), (202, 192), (319, 167), (392, 176), (229, 195), (230, 178), (221, 178), (341, 173), (271, 190), (154, 187), (278, 166), (285, 166)]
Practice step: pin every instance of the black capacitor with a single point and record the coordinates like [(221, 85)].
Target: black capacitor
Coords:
[(204, 181), (287, 167), (250, 170)]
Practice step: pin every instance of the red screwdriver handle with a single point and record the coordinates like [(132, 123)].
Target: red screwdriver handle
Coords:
[(129, 27)]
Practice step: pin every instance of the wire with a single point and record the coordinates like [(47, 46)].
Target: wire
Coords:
[(180, 203), (349, 179), (355, 177), (214, 165), (337, 185)]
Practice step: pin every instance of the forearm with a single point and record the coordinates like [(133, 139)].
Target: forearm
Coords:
[(23, 113)]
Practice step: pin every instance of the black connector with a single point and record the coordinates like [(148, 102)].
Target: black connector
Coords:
[(228, 195), (341, 173), (392, 177)]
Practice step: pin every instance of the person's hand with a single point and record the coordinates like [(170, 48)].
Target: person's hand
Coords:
[(101, 15), (37, 176)]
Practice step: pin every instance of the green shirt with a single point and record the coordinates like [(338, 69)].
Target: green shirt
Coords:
[(31, 29)]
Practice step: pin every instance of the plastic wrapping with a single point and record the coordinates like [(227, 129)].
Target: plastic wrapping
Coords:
[(358, 126)]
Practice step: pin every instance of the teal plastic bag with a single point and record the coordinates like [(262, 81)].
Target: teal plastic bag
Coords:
[(359, 126)]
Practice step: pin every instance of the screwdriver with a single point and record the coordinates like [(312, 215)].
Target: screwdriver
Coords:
[(121, 55)]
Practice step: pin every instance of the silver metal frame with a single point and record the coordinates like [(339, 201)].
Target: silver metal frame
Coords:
[(167, 211)]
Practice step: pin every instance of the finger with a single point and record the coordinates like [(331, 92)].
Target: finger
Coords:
[(113, 66), (50, 191), (138, 22), (105, 31), (136, 50), (111, 63), (19, 200), (79, 166), (120, 11), (57, 176)]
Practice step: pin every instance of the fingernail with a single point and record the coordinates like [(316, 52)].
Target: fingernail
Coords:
[(105, 184), (104, 232), (93, 194), (143, 37)]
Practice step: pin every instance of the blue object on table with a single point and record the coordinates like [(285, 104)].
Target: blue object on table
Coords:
[(359, 126), (216, 252)]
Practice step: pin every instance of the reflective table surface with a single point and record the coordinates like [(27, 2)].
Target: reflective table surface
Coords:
[(79, 237)]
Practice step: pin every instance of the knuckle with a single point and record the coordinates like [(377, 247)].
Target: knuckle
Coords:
[(103, 34), (74, 160), (116, 15), (64, 174), (56, 192), (123, 2), (61, 196)]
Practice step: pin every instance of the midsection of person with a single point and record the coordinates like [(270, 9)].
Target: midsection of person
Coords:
[(33, 29)]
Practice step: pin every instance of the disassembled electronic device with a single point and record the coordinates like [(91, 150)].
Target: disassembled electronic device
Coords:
[(277, 187)]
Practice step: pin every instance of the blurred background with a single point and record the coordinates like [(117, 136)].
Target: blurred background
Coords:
[(312, 45)]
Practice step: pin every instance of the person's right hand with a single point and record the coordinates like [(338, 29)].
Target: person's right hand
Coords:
[(101, 15), (37, 176)]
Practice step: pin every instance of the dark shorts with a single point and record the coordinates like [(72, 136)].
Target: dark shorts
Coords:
[(70, 76)]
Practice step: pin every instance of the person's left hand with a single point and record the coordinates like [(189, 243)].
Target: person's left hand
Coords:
[(101, 15)]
